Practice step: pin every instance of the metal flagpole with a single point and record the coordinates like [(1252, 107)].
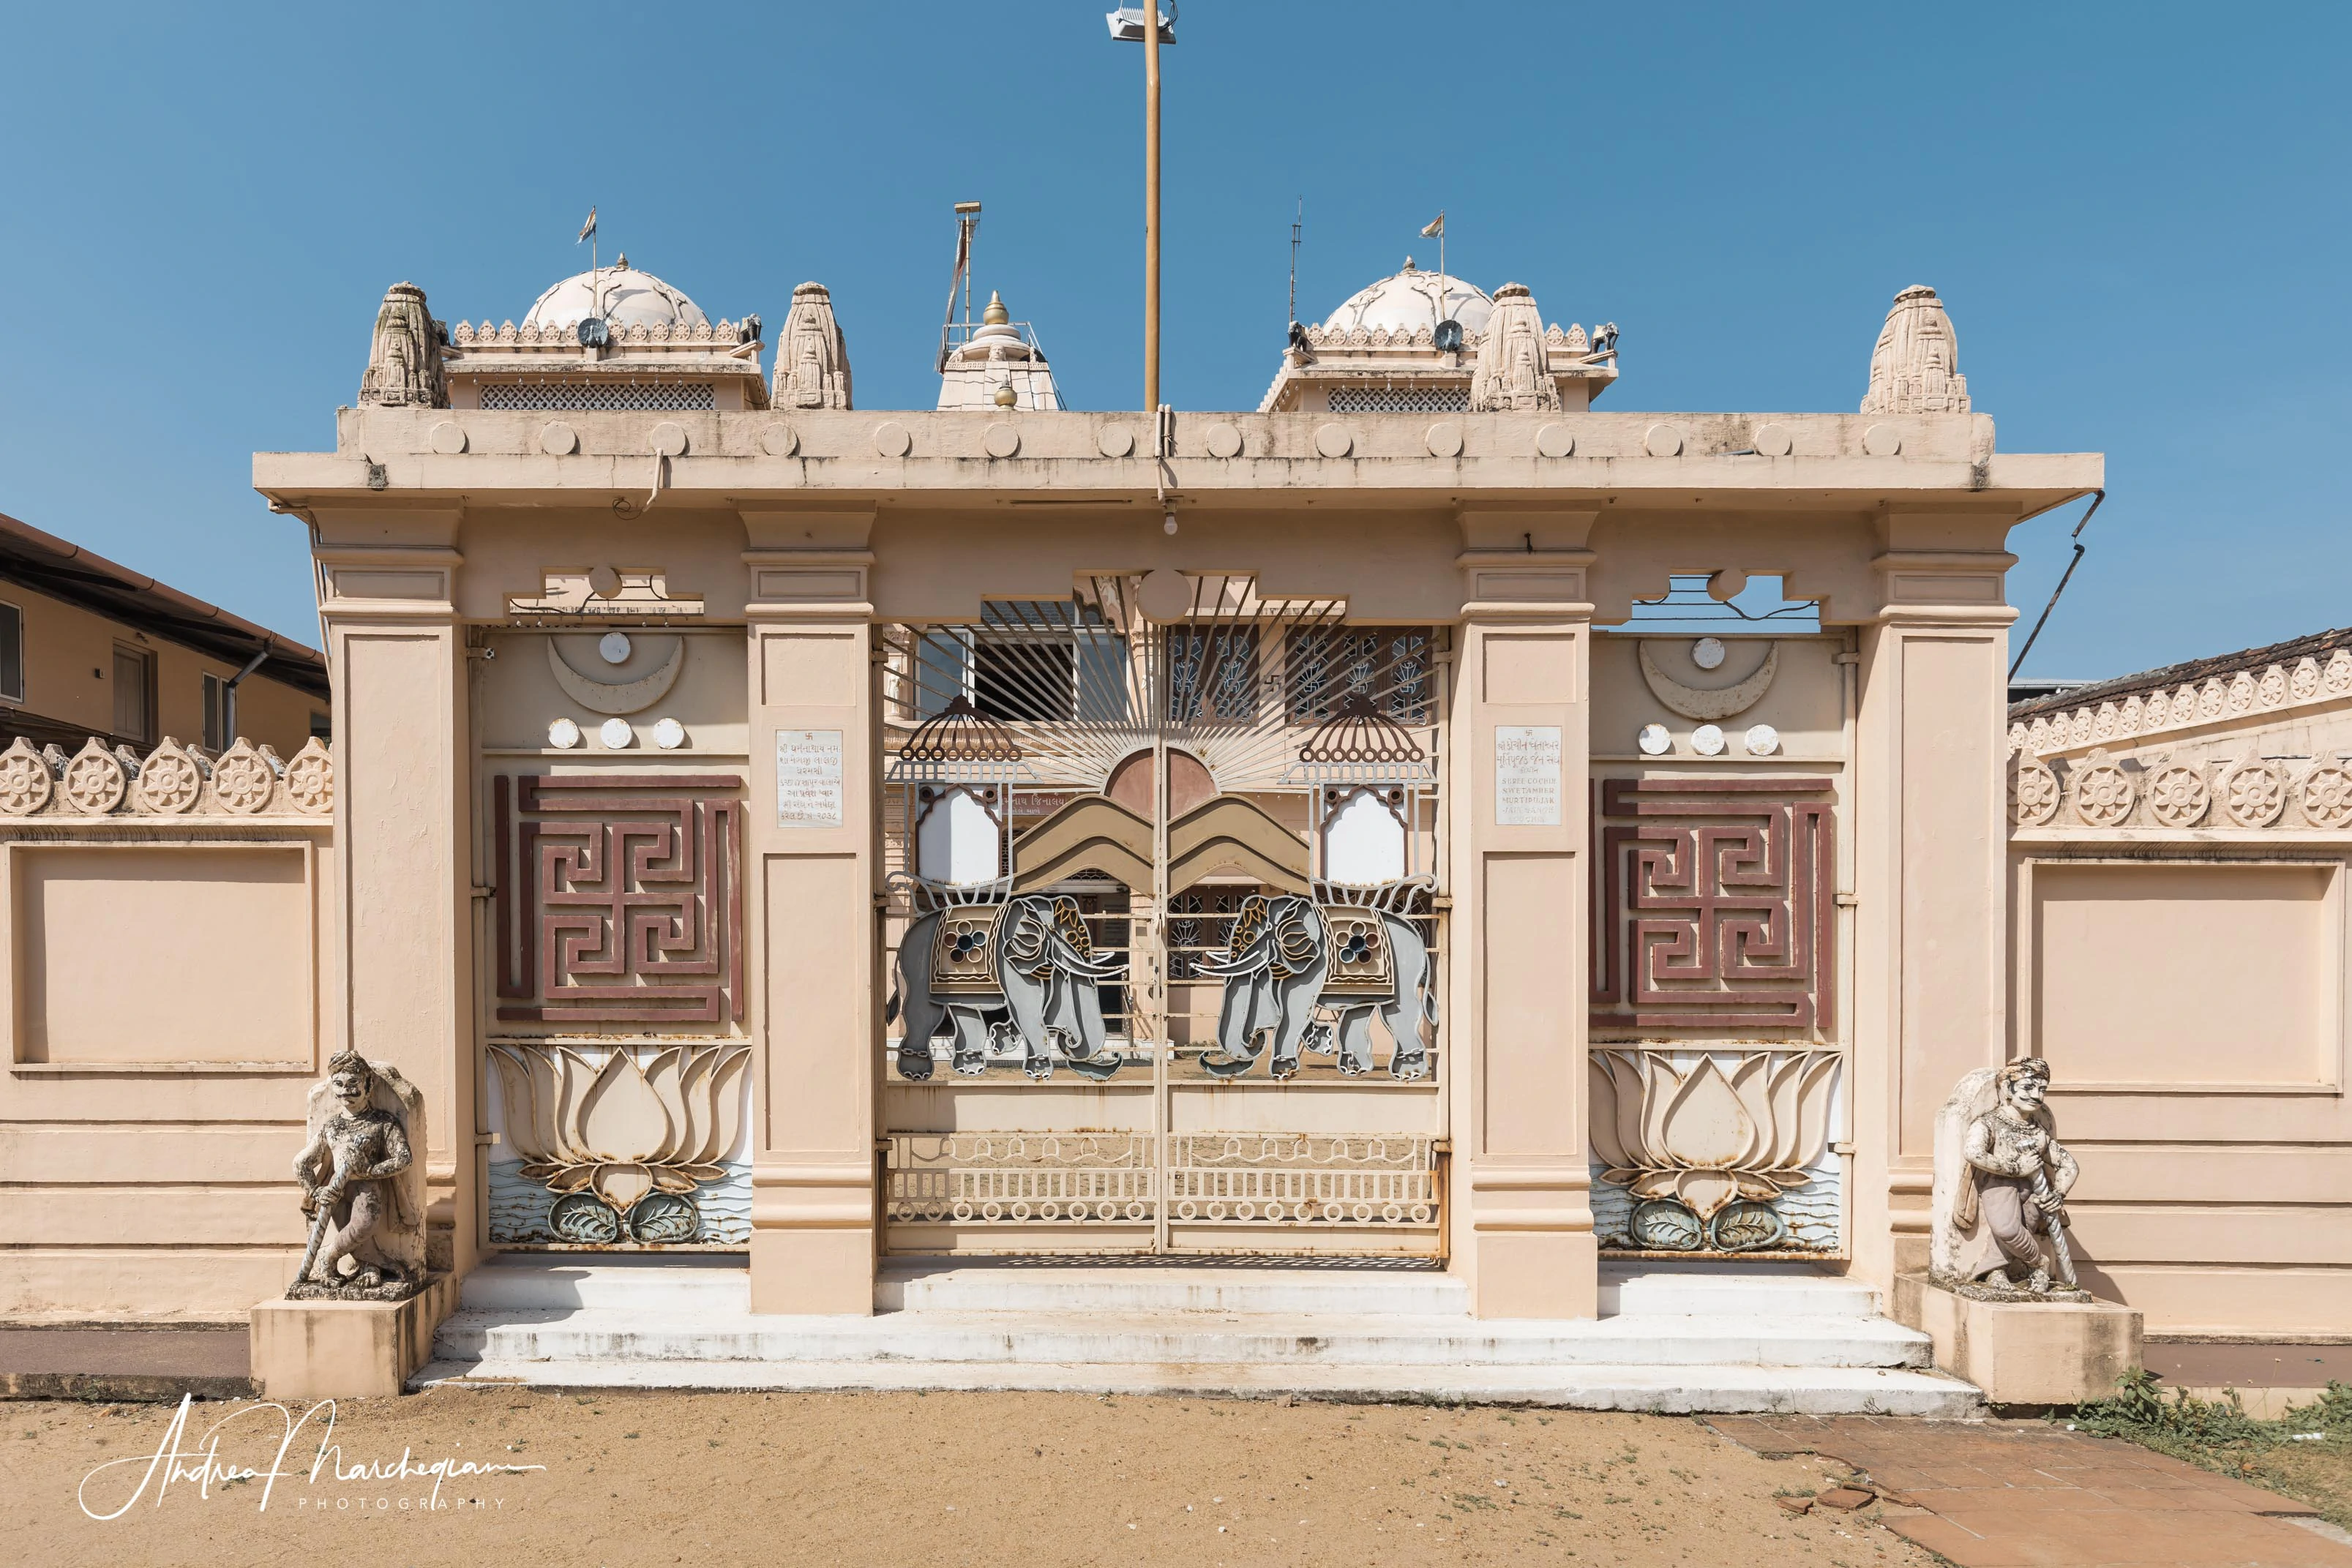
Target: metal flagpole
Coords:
[(1152, 205)]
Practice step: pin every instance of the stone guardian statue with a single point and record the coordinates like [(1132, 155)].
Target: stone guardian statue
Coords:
[(2001, 1180), (362, 1185)]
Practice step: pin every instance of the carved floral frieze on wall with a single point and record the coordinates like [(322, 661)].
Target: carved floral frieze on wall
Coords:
[(172, 780), (1716, 1150), (1716, 904), (2275, 688), (2100, 791)]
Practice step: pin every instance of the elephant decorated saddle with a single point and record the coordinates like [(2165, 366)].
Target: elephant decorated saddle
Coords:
[(963, 951), (1356, 947)]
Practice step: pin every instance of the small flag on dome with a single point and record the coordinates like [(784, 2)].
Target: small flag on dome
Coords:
[(1435, 229), (590, 226)]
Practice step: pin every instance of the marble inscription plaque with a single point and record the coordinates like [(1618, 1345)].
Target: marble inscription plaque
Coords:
[(808, 777), (1527, 775)]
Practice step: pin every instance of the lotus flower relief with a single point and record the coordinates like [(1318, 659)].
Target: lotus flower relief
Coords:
[(1706, 1138), (622, 1129)]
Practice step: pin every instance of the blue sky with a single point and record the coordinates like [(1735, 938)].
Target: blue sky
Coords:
[(2136, 215)]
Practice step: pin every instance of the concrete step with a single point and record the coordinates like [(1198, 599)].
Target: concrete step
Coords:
[(1236, 1339), (929, 1285), (1770, 1290), (1665, 1390), (667, 1283)]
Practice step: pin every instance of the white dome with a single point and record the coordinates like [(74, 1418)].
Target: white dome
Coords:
[(1408, 299), (632, 298)]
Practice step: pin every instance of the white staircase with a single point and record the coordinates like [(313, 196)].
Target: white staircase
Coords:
[(1670, 1339)]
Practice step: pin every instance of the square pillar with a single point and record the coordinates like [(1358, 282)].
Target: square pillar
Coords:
[(403, 974), (1930, 969), (1517, 771), (813, 843)]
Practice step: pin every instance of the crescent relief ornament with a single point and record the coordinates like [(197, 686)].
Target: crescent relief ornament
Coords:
[(1704, 703), (617, 696)]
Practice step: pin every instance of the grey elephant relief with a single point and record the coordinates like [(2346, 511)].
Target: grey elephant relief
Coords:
[(1027, 958), (1348, 952)]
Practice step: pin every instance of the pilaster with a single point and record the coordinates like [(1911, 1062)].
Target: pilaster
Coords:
[(1518, 771), (811, 875), (1931, 979), (404, 868)]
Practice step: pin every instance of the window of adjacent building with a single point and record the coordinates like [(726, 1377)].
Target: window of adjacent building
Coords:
[(12, 654), (134, 693), (322, 727), (215, 713)]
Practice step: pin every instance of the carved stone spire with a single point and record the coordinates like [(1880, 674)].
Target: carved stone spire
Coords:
[(405, 360), (1916, 368), (1513, 368), (811, 359)]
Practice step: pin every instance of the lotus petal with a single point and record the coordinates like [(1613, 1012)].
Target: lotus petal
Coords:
[(572, 1077), (523, 1130), (1816, 1097), (622, 1182), (1660, 1085), (674, 1178), (1749, 1081), (1782, 1097), (621, 1118), (1705, 1127), (1706, 1191), (1602, 1117), (1655, 1184), (1620, 1176), (694, 1101), (1758, 1187), (726, 1102), (571, 1178), (662, 1078), (540, 1170)]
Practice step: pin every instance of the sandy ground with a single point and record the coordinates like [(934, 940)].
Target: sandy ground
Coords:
[(942, 1480)]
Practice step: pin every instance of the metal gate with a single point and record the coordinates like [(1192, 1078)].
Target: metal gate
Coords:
[(1167, 863)]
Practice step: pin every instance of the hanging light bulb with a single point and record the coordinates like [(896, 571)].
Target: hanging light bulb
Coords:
[(1168, 524)]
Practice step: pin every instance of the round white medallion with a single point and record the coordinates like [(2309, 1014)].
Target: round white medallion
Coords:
[(1445, 439), (1334, 440), (1555, 441), (668, 733), (1223, 440), (1000, 441), (559, 440), (616, 734), (1883, 440), (891, 440), (1662, 441), (448, 438), (1654, 740), (1772, 440), (563, 735), (780, 441), (1763, 740), (1114, 441), (668, 439), (1707, 740), (612, 647), (1707, 652)]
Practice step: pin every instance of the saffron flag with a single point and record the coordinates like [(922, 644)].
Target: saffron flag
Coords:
[(589, 227), (1435, 230)]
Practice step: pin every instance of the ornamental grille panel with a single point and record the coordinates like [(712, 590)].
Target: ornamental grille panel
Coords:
[(1272, 1178), (1021, 1179), (1715, 903), (619, 899), (674, 397), (1400, 399)]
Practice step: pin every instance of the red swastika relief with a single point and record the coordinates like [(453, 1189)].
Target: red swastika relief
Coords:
[(1716, 904), (618, 898)]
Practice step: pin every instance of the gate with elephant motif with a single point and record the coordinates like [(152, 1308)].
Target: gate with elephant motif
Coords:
[(1166, 918)]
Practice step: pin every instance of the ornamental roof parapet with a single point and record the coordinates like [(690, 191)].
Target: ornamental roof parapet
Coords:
[(2252, 686), (244, 782)]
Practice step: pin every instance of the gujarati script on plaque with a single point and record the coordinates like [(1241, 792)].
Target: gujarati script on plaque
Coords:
[(808, 777), (1527, 775)]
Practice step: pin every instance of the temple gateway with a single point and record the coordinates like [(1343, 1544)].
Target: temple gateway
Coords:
[(1526, 879)]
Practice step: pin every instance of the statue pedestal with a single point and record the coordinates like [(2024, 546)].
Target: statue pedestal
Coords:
[(2033, 1353), (346, 1350)]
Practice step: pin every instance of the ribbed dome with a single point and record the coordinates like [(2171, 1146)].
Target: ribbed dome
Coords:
[(1408, 299), (631, 298)]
